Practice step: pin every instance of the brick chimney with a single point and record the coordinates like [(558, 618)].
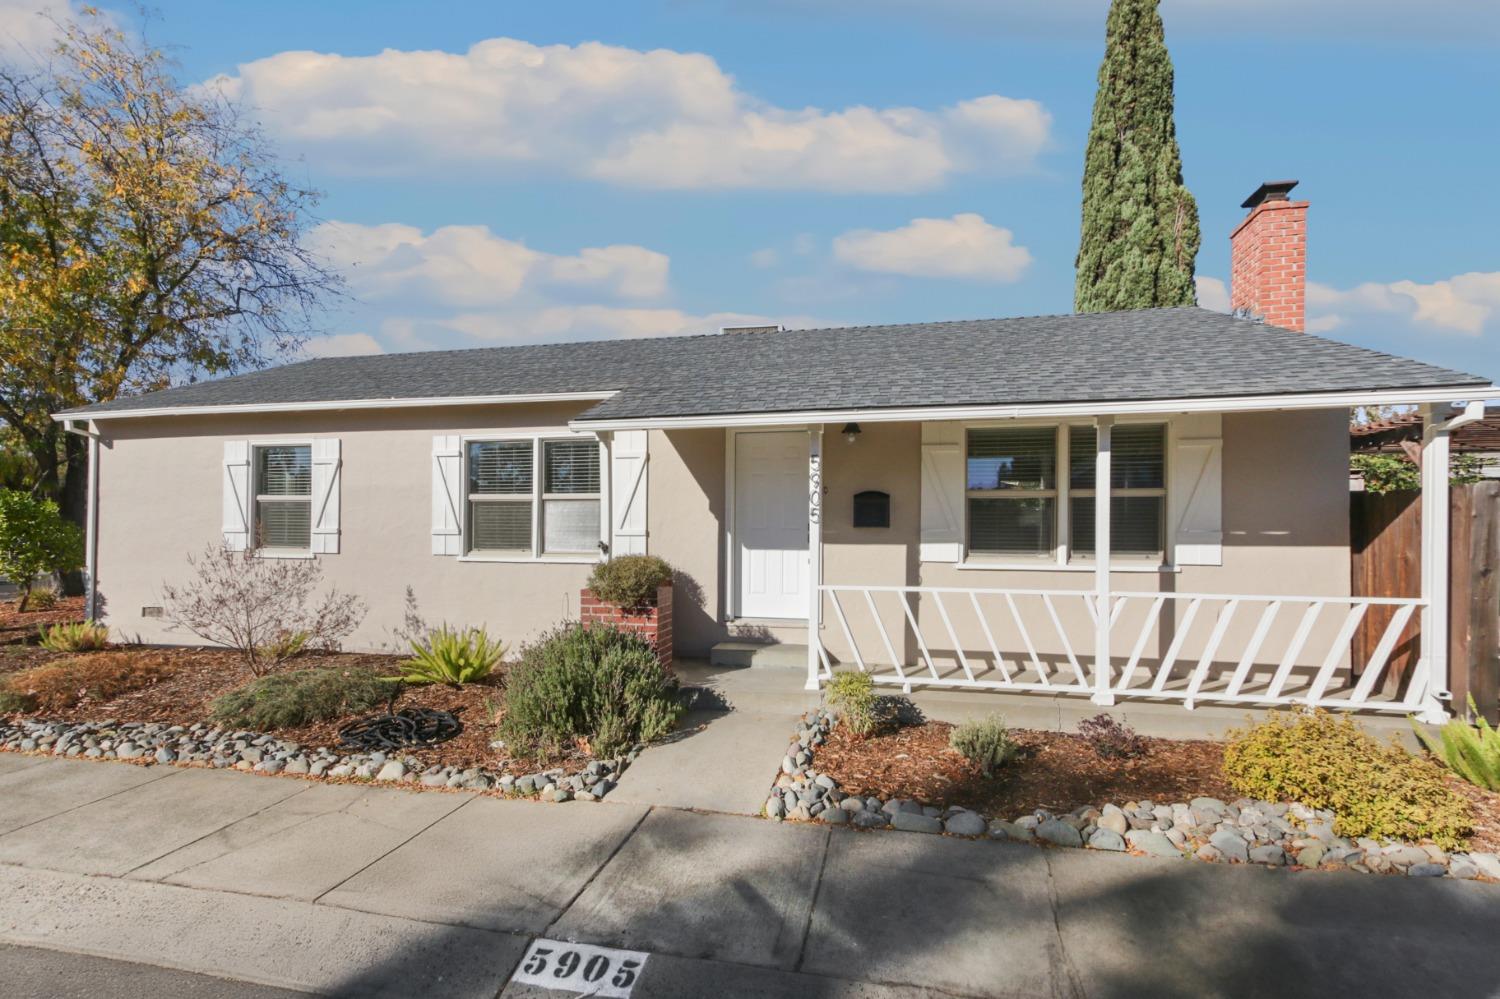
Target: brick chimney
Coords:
[(1268, 258)]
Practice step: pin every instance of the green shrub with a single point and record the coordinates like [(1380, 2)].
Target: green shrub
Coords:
[(43, 600), (985, 742), (300, 697), (630, 581), (1326, 762), (453, 657), (852, 695), (284, 645), (79, 636), (1471, 751), (35, 539), (597, 688)]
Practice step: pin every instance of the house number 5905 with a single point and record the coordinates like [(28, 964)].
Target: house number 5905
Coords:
[(583, 968)]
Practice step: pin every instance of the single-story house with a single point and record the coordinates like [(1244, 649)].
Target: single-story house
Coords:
[(1148, 504)]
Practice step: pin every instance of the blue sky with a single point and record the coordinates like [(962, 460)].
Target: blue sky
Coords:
[(505, 173)]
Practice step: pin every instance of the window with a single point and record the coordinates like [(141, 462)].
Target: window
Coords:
[(1138, 491), (521, 489), (570, 497), (1015, 494), (1012, 491), (283, 497), (500, 496)]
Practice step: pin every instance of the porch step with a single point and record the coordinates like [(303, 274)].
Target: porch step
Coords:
[(758, 654)]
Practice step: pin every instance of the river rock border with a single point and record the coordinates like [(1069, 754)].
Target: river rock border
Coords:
[(204, 745), (1271, 834)]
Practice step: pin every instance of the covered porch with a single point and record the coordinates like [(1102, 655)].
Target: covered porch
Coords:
[(1131, 625), (1175, 553)]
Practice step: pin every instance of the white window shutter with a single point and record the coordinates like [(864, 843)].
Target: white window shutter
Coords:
[(942, 492), (326, 469), (447, 494), (236, 495), (1195, 490), (628, 488)]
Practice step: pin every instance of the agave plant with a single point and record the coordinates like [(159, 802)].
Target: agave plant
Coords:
[(448, 655), (1471, 751)]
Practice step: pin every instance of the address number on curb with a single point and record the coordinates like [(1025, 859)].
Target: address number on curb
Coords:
[(588, 970)]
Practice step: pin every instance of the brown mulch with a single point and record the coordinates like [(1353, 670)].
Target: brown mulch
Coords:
[(197, 676), (18, 628), (1485, 806), (1056, 771)]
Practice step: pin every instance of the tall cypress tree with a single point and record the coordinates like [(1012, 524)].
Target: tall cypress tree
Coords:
[(1140, 222)]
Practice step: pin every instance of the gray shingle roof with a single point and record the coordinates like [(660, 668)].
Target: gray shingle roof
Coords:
[(1114, 356)]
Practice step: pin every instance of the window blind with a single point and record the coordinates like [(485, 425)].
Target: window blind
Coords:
[(1019, 526), (500, 526), (571, 467), (500, 467), (283, 525), (283, 470), (1018, 458), (1136, 461), (1135, 524)]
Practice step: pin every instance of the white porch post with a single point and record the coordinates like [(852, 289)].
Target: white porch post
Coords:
[(1104, 426), (814, 552), (1435, 542)]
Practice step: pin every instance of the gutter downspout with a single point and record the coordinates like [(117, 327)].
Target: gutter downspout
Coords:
[(91, 517)]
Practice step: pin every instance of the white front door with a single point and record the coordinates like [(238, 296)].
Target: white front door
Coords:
[(770, 523)]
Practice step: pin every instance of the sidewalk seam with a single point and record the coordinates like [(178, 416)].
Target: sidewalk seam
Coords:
[(812, 907), (214, 832), (598, 870), (387, 853), (94, 801), (1075, 984)]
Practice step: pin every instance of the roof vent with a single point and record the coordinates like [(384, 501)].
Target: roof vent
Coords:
[(777, 328)]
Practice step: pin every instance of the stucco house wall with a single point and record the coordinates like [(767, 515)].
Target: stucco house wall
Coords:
[(160, 498)]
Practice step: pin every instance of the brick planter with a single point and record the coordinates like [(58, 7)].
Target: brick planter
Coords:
[(654, 624)]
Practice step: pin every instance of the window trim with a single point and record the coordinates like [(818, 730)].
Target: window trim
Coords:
[(537, 438), (1062, 557), (260, 551)]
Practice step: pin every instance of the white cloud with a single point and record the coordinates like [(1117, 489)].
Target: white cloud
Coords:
[(1213, 293), (28, 28), (342, 345), (764, 258), (468, 266), (658, 119), (1465, 304), (965, 246)]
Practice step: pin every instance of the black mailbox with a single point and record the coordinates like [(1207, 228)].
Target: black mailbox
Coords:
[(872, 508)]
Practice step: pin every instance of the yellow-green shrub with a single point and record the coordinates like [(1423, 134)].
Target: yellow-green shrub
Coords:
[(853, 696), (78, 636), (1326, 762)]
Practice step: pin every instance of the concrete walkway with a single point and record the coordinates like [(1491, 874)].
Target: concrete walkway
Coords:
[(350, 890), (718, 761)]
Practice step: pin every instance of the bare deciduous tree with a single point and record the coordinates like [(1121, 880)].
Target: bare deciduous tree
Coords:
[(265, 608)]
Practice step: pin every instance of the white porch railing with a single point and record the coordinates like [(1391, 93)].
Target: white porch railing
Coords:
[(1187, 647)]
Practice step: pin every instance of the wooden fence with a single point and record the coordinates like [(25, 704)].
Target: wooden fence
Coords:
[(1386, 546)]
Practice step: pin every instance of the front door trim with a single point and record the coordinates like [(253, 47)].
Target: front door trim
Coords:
[(732, 607)]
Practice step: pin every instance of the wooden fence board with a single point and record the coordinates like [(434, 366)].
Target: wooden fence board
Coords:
[(1386, 561)]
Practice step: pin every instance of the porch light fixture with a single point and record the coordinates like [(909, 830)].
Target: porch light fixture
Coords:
[(850, 432)]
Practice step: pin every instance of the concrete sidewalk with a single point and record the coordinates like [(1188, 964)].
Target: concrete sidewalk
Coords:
[(348, 890)]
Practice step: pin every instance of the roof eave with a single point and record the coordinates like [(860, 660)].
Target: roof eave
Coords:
[(98, 413), (1126, 407)]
